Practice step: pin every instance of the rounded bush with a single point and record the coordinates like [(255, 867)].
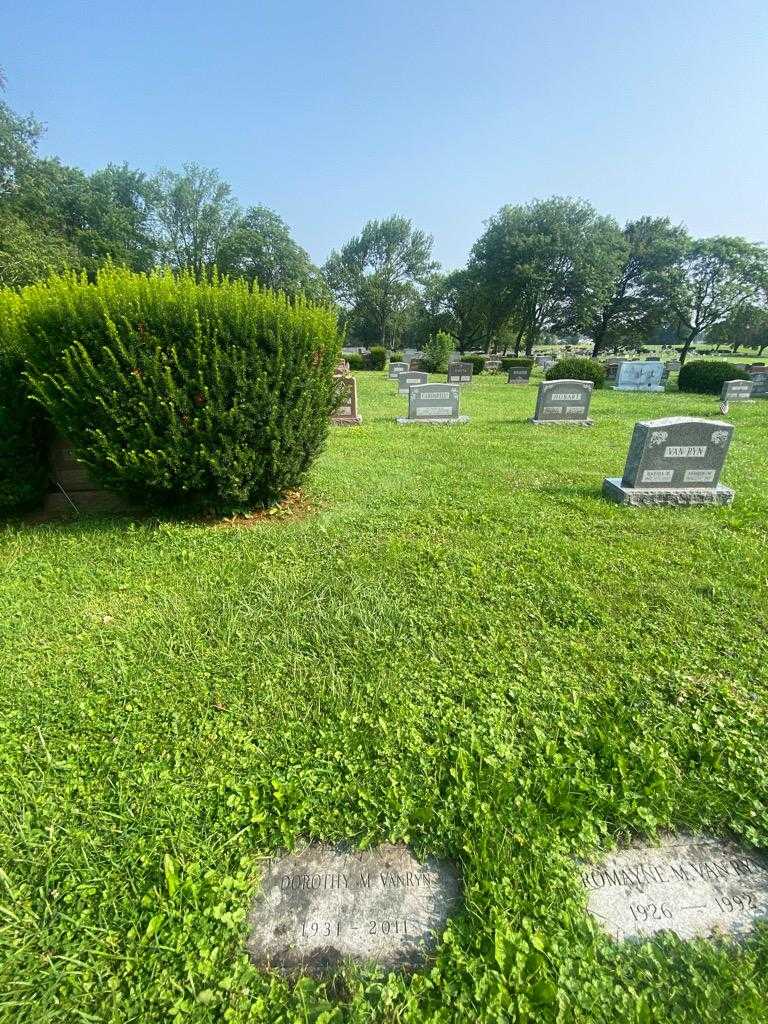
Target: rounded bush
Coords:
[(577, 369), (24, 438), (355, 361), (478, 363), (205, 395), (377, 358), (706, 377), (509, 361), (396, 357)]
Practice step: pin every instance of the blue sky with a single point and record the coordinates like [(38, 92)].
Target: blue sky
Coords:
[(335, 112)]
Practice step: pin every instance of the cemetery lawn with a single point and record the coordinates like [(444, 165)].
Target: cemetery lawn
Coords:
[(461, 647)]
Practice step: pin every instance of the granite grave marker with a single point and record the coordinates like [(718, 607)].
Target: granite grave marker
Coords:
[(519, 375), (409, 377), (639, 376), (346, 413), (460, 373), (674, 461), (328, 904), (395, 369), (696, 887), (564, 401), (433, 403), (736, 391)]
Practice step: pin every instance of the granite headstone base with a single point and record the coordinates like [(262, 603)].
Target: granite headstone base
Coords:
[(655, 388), (562, 423), (615, 491), (436, 421)]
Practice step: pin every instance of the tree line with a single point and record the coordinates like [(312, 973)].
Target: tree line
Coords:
[(548, 268)]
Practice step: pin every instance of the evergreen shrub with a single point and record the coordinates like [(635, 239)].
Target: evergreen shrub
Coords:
[(202, 395), (377, 358), (437, 352), (706, 377), (478, 363), (24, 439), (577, 369), (509, 361)]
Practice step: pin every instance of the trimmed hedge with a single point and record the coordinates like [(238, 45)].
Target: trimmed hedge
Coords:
[(478, 363), (437, 352), (355, 361), (706, 377), (396, 357), (24, 438), (199, 395), (509, 361), (377, 358), (577, 369)]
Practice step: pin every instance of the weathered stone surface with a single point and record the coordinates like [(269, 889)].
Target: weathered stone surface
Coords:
[(736, 391), (328, 904), (564, 401), (395, 369), (639, 376), (519, 375), (346, 413), (408, 378), (492, 364), (460, 373), (692, 886), (759, 380), (614, 490), (433, 403)]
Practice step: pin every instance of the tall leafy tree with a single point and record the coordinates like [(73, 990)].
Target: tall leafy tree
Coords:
[(376, 275), (715, 279), (195, 213), (260, 248), (747, 326), (635, 302), (549, 266)]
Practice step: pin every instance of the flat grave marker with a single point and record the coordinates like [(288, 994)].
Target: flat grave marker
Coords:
[(433, 403), (696, 887), (328, 904), (639, 376), (459, 373), (736, 391), (563, 401), (674, 461), (408, 378), (346, 413)]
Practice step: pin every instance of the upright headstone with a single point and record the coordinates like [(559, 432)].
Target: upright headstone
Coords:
[(759, 380), (327, 904), (408, 378), (519, 375), (674, 461), (433, 403), (346, 414), (611, 369), (564, 401), (674, 365), (546, 362), (341, 369), (395, 369), (492, 364), (459, 373), (736, 391), (639, 376)]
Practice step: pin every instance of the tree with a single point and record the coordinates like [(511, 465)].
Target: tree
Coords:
[(376, 275), (18, 143), (260, 248), (748, 325), (713, 280), (652, 245), (548, 266), (195, 213)]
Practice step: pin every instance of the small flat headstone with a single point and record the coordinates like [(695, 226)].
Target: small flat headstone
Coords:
[(408, 378), (433, 403), (674, 461), (736, 391), (460, 373), (564, 401), (328, 904), (696, 887)]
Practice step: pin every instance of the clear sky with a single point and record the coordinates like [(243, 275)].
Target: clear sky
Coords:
[(333, 112)]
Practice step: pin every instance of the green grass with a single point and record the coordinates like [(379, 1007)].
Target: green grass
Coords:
[(463, 648)]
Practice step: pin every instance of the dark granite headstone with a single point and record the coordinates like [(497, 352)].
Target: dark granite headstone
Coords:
[(674, 461), (395, 369), (408, 378), (346, 413), (759, 380), (519, 375), (433, 403), (460, 373), (736, 391), (564, 401), (327, 905)]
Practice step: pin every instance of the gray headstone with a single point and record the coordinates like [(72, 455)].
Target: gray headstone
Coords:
[(696, 887), (519, 375), (674, 461), (564, 401), (674, 366), (395, 369), (759, 383), (736, 391), (346, 413), (433, 403), (409, 377), (492, 364), (639, 376), (460, 373), (329, 904)]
